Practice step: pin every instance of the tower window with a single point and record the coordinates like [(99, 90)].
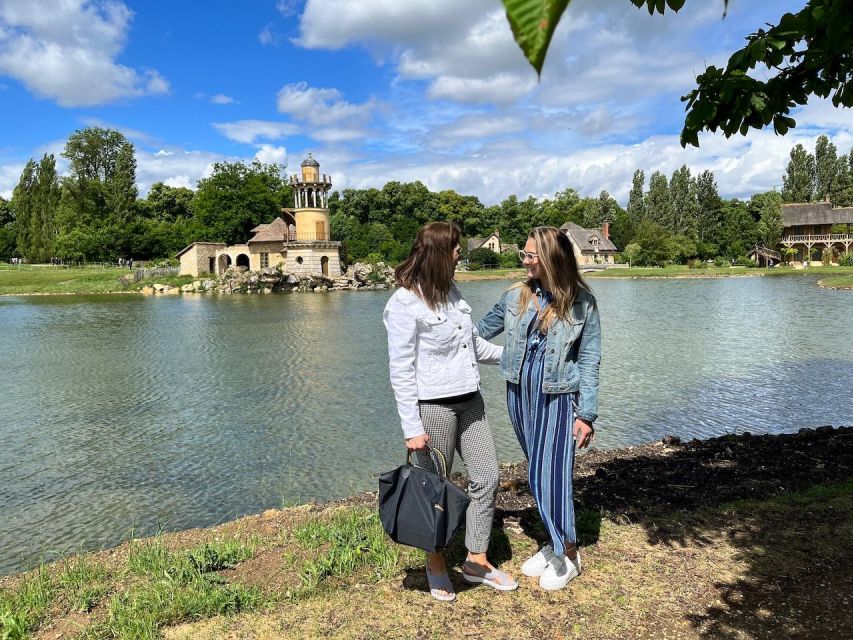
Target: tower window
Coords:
[(265, 260)]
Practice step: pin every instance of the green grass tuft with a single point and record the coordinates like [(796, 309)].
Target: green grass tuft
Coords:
[(348, 541), (83, 583), (174, 587), (23, 609)]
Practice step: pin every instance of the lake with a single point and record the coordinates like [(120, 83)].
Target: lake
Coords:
[(130, 412)]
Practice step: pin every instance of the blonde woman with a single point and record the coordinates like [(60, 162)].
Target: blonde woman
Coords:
[(550, 362), (433, 355)]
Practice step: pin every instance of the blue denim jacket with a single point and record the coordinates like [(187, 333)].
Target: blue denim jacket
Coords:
[(573, 349)]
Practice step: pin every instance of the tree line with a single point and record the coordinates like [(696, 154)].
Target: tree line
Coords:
[(95, 213)]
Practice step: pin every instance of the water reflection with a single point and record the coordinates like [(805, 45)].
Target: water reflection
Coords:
[(122, 411)]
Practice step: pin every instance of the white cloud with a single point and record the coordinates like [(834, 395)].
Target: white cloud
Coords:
[(67, 51), (502, 88), (249, 131), (333, 24), (287, 8), (177, 168), (10, 174), (269, 37), (476, 128), (320, 106), (221, 98), (270, 154)]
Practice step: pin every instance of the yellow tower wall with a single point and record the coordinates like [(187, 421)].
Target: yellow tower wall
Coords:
[(306, 224), (311, 174)]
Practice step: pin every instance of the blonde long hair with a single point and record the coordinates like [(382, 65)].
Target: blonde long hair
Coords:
[(562, 276)]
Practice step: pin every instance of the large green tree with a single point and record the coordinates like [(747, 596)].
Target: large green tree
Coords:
[(23, 203), (798, 182), (102, 176), (8, 230), (708, 213), (237, 197), (168, 204), (826, 168), (636, 207), (682, 191), (803, 54), (46, 200), (658, 203), (842, 196), (770, 222)]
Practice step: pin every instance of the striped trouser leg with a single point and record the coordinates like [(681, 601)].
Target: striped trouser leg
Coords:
[(543, 424), (464, 428)]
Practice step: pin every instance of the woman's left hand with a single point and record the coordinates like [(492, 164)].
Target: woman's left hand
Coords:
[(583, 432)]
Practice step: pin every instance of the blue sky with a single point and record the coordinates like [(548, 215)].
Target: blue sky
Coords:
[(430, 90)]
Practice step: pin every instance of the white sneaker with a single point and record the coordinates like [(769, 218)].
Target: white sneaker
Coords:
[(535, 565), (560, 571)]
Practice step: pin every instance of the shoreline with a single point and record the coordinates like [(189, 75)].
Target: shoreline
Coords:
[(460, 277), (711, 511)]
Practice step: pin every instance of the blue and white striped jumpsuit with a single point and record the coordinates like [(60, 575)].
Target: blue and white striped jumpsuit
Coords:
[(543, 423)]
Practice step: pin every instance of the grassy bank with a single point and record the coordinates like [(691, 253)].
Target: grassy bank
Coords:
[(740, 536), (76, 280), (57, 281), (837, 282)]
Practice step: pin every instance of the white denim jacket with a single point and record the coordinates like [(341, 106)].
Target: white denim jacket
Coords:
[(432, 354)]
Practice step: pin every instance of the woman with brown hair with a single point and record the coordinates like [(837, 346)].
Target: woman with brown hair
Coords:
[(433, 355), (550, 362)]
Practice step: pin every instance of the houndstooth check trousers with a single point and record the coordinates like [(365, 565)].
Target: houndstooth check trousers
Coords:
[(463, 427)]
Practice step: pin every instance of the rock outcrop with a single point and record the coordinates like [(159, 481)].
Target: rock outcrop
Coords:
[(358, 277)]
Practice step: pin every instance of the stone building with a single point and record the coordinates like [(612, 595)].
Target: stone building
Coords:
[(299, 240), (592, 246), (808, 229)]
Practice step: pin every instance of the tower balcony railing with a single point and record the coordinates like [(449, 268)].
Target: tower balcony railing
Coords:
[(822, 237), (308, 237)]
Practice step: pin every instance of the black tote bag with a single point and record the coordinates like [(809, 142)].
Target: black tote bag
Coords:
[(420, 508)]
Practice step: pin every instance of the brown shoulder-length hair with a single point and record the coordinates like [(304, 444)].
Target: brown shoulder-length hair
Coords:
[(562, 276), (429, 269)]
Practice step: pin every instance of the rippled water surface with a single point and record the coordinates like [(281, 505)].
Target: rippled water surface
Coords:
[(120, 412)]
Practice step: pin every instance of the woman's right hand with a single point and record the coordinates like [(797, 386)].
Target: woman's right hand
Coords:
[(417, 443)]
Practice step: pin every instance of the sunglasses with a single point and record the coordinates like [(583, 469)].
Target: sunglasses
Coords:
[(522, 254)]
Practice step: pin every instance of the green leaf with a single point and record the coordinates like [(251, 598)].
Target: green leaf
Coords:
[(675, 5), (533, 23)]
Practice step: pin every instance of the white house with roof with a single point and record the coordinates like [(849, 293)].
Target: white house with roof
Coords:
[(592, 246)]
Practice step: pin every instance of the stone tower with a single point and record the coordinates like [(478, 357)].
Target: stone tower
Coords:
[(311, 204), (312, 249)]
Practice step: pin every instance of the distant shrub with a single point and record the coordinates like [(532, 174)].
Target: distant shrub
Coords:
[(509, 260), (745, 261), (485, 257), (846, 261), (720, 261)]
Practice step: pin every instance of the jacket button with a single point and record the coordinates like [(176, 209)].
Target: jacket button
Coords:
[(464, 346), (552, 351)]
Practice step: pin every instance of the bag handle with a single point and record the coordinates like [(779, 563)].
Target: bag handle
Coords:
[(438, 454)]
